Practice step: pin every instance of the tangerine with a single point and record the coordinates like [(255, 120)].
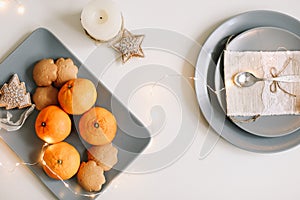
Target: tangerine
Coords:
[(53, 125), (77, 96), (98, 126), (61, 161)]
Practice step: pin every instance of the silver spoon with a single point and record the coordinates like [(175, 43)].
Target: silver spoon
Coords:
[(247, 79)]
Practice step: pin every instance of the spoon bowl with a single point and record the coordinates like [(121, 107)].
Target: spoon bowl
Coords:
[(245, 79)]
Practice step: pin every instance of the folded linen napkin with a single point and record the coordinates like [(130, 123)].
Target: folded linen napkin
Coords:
[(260, 99)]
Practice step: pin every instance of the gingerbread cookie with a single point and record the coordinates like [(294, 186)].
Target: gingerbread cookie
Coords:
[(45, 96), (14, 95), (66, 70), (105, 156), (45, 72), (90, 176)]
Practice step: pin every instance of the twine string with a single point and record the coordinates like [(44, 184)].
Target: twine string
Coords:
[(248, 120), (276, 84)]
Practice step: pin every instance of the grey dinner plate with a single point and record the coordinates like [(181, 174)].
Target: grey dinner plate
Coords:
[(262, 39), (206, 69), (43, 44)]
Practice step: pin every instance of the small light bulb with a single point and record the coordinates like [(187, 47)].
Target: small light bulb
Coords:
[(21, 9), (2, 3), (44, 163), (66, 184)]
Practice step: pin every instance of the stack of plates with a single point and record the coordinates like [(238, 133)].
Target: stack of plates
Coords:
[(251, 31)]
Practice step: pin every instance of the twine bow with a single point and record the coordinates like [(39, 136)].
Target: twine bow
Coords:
[(275, 84), (7, 124)]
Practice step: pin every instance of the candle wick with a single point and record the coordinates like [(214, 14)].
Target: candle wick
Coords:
[(101, 17)]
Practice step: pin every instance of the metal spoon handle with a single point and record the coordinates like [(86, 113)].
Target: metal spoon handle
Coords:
[(286, 79)]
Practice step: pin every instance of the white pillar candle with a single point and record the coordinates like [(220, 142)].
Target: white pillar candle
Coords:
[(102, 19)]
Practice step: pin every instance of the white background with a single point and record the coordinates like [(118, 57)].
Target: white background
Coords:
[(227, 173)]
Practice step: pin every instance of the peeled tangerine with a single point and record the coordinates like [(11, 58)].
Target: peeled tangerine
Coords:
[(77, 96), (98, 126)]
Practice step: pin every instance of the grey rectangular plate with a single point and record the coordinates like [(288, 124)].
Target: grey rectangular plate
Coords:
[(43, 44)]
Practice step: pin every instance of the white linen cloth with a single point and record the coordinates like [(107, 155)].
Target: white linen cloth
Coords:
[(259, 99)]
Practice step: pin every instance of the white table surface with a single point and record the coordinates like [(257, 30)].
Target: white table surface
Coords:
[(227, 173)]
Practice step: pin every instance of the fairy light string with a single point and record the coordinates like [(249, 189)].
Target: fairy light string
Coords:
[(42, 162), (93, 195), (20, 7)]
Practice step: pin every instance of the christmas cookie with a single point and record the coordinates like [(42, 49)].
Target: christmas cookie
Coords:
[(90, 176), (14, 95), (66, 70), (45, 72), (45, 96), (105, 156)]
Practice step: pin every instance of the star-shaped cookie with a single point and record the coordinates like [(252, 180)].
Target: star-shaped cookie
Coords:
[(129, 45), (14, 95)]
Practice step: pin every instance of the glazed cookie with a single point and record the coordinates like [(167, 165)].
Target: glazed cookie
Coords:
[(66, 70), (105, 156), (14, 94), (90, 176), (45, 96), (45, 72)]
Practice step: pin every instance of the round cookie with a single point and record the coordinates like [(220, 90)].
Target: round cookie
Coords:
[(45, 72), (45, 96), (90, 176), (66, 70), (105, 156)]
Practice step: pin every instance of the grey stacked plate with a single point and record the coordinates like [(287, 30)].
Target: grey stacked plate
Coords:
[(255, 30)]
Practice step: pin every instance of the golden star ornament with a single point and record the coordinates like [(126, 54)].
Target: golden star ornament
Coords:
[(129, 45)]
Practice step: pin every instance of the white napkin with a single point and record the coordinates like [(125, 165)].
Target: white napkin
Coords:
[(258, 99)]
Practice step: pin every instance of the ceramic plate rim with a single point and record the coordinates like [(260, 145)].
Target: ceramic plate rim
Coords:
[(207, 101)]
